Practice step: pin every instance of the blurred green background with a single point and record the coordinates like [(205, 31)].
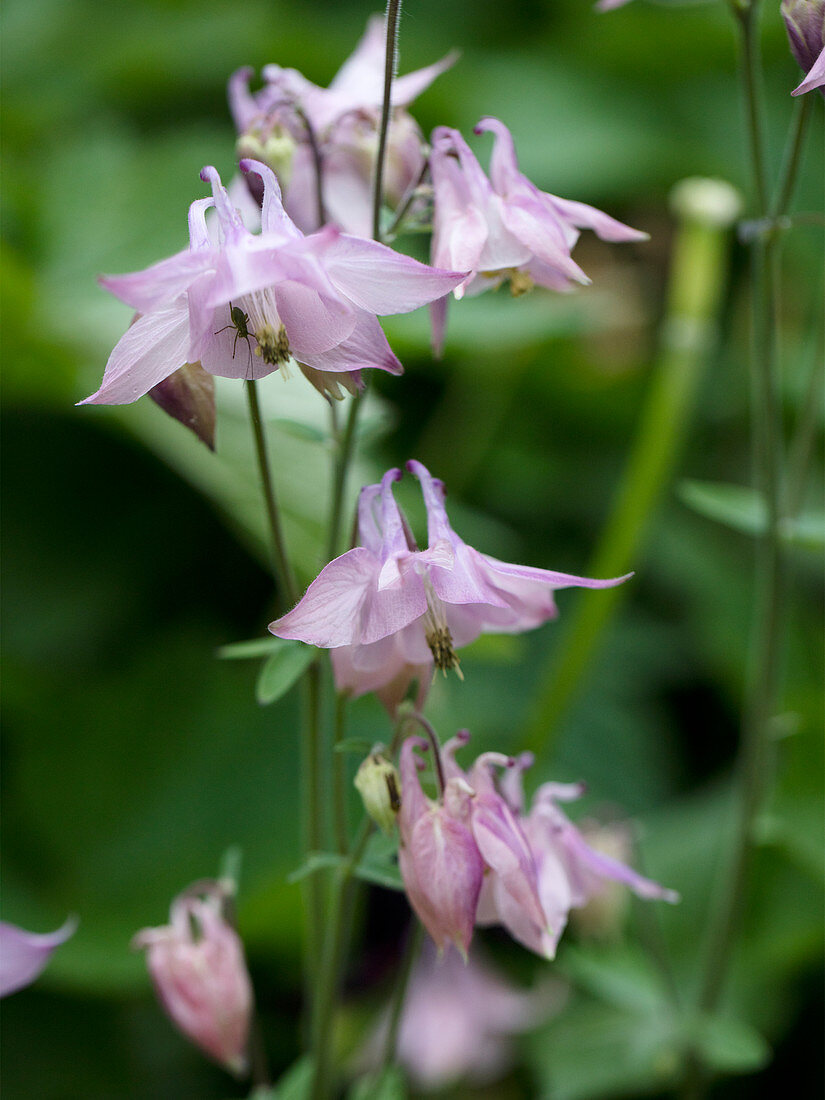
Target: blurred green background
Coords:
[(132, 758)]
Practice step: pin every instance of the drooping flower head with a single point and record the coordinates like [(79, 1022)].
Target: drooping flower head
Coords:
[(536, 867), (570, 871), (199, 972), (280, 123), (503, 228), (244, 304), (23, 955), (394, 610)]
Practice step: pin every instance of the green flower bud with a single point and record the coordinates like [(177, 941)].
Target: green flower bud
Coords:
[(378, 783)]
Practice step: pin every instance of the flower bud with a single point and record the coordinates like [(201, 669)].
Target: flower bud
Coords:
[(197, 966), (805, 24), (271, 144), (188, 395), (378, 784)]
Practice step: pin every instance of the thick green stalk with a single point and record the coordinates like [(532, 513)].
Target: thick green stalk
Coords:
[(698, 275)]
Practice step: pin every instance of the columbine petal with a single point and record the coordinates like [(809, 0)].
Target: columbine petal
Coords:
[(156, 286), (360, 80), (382, 281), (151, 349), (366, 346), (23, 955), (329, 613), (815, 77)]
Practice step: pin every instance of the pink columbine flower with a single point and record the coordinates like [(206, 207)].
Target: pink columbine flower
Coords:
[(805, 24), (23, 955), (439, 858), (396, 610), (465, 843), (198, 969), (459, 1019), (535, 867), (504, 228), (570, 871), (273, 124), (246, 304)]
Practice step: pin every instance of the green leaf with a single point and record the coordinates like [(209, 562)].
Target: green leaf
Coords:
[(736, 506), (729, 1045), (359, 745), (281, 670), (299, 430), (379, 865), (255, 647), (807, 530), (316, 861), (387, 1084), (744, 510), (295, 1084)]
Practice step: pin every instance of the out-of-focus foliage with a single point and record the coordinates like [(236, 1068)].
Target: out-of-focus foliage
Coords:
[(132, 758)]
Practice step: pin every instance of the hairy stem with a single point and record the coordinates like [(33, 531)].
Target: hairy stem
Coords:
[(390, 61)]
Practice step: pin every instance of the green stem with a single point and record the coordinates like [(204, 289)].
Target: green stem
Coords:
[(331, 962), (339, 792), (762, 687), (390, 60), (312, 803), (414, 941), (318, 165), (793, 157), (284, 579), (342, 887), (698, 277), (802, 445), (344, 453), (747, 16)]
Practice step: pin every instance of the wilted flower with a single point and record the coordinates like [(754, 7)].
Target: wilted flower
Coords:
[(199, 972), (805, 24), (279, 123), (504, 228), (245, 305), (397, 610), (459, 1019), (23, 955)]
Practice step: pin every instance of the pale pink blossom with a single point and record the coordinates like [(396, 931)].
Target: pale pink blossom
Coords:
[(23, 955), (439, 859), (503, 228), (459, 1019), (570, 871), (199, 972), (245, 304), (396, 610), (278, 124)]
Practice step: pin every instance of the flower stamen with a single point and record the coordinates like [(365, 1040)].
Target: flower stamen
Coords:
[(273, 346)]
